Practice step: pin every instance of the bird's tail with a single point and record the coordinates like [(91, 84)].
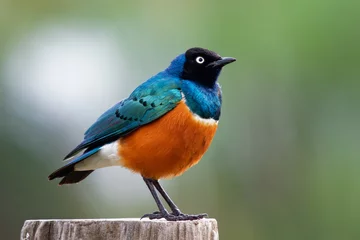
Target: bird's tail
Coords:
[(68, 172)]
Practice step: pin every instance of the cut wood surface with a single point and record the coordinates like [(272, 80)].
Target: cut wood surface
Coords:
[(111, 229)]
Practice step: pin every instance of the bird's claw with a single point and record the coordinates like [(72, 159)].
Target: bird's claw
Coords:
[(174, 217), (186, 217), (154, 215)]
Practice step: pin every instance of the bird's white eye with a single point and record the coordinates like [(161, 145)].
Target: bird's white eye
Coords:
[(200, 60)]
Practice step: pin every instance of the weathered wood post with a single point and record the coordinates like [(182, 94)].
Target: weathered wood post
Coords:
[(111, 229)]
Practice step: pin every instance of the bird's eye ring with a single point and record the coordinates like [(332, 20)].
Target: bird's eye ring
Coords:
[(200, 60)]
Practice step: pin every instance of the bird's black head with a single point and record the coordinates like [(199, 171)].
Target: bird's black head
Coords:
[(203, 66)]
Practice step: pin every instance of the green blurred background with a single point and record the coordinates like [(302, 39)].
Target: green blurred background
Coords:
[(285, 163)]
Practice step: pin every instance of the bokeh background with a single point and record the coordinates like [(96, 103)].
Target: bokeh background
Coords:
[(285, 163)]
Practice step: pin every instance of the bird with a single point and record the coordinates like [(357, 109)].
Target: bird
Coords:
[(162, 129)]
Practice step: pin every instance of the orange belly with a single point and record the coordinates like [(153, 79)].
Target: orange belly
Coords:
[(168, 146)]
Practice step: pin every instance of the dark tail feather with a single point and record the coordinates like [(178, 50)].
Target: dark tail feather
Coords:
[(68, 172), (75, 177), (69, 175), (62, 172)]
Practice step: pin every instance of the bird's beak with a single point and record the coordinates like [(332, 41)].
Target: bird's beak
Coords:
[(222, 62)]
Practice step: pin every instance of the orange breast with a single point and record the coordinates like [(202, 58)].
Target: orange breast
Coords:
[(168, 146)]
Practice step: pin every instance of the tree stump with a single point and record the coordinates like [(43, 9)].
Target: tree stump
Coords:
[(111, 229)]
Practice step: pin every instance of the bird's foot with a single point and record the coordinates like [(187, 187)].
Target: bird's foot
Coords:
[(154, 215), (174, 216), (186, 217)]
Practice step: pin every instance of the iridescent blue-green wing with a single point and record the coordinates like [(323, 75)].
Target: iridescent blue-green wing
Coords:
[(145, 104)]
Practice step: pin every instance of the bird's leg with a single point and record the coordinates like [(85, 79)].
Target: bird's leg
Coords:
[(177, 215), (163, 212), (175, 210)]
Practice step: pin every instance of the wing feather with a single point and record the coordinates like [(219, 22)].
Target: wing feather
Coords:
[(147, 103)]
